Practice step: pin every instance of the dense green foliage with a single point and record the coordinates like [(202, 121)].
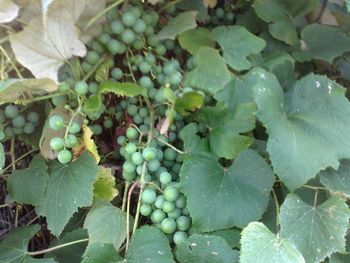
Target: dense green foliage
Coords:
[(176, 131)]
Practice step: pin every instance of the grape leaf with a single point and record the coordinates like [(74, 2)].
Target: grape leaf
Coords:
[(149, 244), (229, 197), (211, 73), (72, 253), (232, 236), (317, 232), (106, 224), (101, 253), (238, 43), (69, 188), (190, 101), (285, 31), (88, 144), (192, 142), (195, 5), (193, 40), (12, 90), (104, 187), (8, 11), (181, 23), (44, 50), (205, 249), (337, 180), (28, 185), (259, 243), (316, 40), (14, 247), (225, 127), (307, 132), (127, 89)]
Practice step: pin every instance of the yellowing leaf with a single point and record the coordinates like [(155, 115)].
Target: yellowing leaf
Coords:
[(88, 144), (104, 187), (210, 3)]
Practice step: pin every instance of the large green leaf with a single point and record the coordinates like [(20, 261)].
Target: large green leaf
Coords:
[(225, 127), (12, 90), (192, 142), (211, 73), (181, 23), (205, 249), (28, 185), (149, 244), (308, 131), (260, 245), (101, 253), (228, 197), (13, 249), (106, 224), (337, 180), (69, 187), (238, 43), (316, 40), (317, 232), (104, 187), (193, 40), (285, 31)]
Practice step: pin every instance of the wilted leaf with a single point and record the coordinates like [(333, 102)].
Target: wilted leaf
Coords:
[(87, 144)]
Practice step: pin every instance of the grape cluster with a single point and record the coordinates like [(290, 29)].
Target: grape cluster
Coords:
[(14, 122)]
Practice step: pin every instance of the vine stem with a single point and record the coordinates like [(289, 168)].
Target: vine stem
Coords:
[(169, 145), (102, 13), (41, 98), (316, 188), (277, 210), (133, 186), (40, 252), (17, 160), (125, 194), (11, 62)]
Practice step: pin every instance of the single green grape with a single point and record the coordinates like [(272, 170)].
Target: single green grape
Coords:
[(81, 88), (168, 206), (117, 27), (160, 50), (117, 73), (169, 154), (64, 156), (128, 176), (132, 109), (179, 237), (128, 36), (159, 202), (108, 123), (219, 12), (129, 167), (121, 140), (9, 132), (115, 47), (29, 128), (165, 178), (33, 117), (180, 201), (171, 193), (11, 111), (183, 223), (63, 87), (146, 82), (74, 128), (139, 26), (137, 119), (138, 44), (96, 129), (149, 153), (169, 68), (175, 214), (129, 19), (104, 38), (18, 121), (145, 210), (57, 143), (71, 141), (153, 165), (145, 67), (130, 148), (56, 122), (92, 57), (148, 196), (158, 216), (17, 130), (137, 158), (168, 225), (132, 133)]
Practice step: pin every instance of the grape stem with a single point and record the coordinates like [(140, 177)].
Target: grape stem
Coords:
[(125, 194), (41, 98), (169, 145), (277, 210), (133, 186), (44, 251)]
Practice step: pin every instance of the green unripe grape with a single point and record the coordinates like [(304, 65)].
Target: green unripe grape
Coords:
[(169, 44), (148, 196), (18, 130), (11, 111), (169, 69), (169, 154), (130, 148), (86, 67), (129, 167), (219, 12), (18, 121), (168, 206), (145, 67), (139, 169), (158, 216), (33, 117), (96, 129), (155, 17), (161, 50), (153, 40), (149, 30), (129, 19), (179, 237), (8, 131), (71, 141), (108, 123), (185, 211), (132, 133), (104, 38), (138, 44), (112, 14), (159, 202), (57, 143), (165, 178), (137, 158), (29, 128), (135, 10), (146, 82), (170, 9), (137, 119), (92, 57), (74, 128), (115, 47), (160, 154), (168, 164), (175, 214), (117, 73), (171, 193), (123, 104), (121, 140), (146, 120), (175, 79), (139, 26), (152, 93), (64, 156), (131, 109), (56, 122), (145, 210), (147, 18), (143, 128), (160, 98), (97, 47), (59, 100), (168, 225), (128, 36), (191, 63), (153, 165), (81, 87), (128, 176), (117, 27), (63, 87), (183, 223), (176, 168), (230, 16), (180, 201), (149, 154)]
